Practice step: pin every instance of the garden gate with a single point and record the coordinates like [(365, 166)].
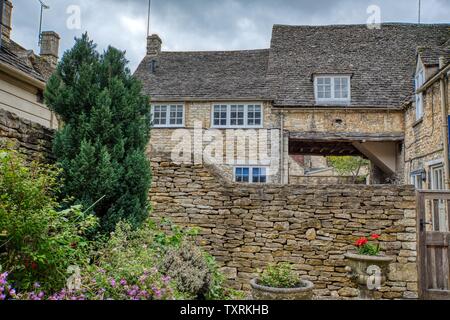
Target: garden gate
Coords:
[(433, 213)]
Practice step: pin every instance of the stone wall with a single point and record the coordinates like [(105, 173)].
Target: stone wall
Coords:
[(30, 138), (375, 121), (326, 180), (247, 227)]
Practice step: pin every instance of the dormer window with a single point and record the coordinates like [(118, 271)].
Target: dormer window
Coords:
[(332, 89)]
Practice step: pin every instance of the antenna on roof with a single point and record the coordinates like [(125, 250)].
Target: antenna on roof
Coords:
[(43, 6), (148, 17), (420, 9)]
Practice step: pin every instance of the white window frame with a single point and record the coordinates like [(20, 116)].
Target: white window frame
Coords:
[(168, 107), (251, 168), (417, 179), (438, 184), (419, 81), (228, 120), (333, 89)]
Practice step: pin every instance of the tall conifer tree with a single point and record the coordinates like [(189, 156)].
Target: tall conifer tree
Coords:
[(101, 146)]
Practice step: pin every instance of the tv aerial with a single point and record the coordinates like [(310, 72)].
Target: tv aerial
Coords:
[(43, 7)]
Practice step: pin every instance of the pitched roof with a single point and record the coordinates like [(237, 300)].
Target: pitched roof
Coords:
[(381, 61), (24, 60), (208, 75), (430, 55)]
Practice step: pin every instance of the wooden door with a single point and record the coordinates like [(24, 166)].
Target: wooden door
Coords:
[(434, 244)]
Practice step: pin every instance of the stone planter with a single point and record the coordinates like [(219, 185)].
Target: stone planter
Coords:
[(368, 272), (305, 292)]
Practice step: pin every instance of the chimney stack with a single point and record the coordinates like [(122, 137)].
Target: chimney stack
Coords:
[(154, 43), (50, 47), (6, 19)]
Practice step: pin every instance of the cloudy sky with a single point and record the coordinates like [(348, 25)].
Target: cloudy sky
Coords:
[(200, 24)]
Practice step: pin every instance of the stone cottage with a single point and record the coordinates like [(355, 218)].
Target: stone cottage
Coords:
[(426, 121), (317, 91), (24, 119)]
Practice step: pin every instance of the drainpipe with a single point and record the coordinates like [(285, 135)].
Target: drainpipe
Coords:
[(444, 111), (282, 147)]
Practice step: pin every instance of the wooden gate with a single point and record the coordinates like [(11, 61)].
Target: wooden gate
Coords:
[(434, 244)]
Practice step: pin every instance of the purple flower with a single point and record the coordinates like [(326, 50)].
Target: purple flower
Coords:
[(2, 297), (123, 282), (166, 279), (113, 283), (12, 292), (36, 285)]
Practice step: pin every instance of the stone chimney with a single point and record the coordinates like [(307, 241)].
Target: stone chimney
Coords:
[(154, 43), (442, 62), (6, 19), (50, 47)]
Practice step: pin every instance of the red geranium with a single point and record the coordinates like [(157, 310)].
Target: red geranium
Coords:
[(361, 242), (367, 248)]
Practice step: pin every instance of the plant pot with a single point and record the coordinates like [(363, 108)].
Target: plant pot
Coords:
[(305, 292), (368, 272)]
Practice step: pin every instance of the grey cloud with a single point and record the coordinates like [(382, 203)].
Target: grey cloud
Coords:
[(202, 24)]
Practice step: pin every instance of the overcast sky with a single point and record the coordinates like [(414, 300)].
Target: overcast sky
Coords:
[(201, 24)]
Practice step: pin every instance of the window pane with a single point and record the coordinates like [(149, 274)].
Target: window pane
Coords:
[(254, 115), (324, 88), (159, 115), (245, 175), (220, 115), (237, 115)]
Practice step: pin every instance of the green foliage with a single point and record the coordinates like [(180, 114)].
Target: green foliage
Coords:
[(37, 241), (280, 276), (101, 148), (348, 166), (188, 267), (218, 290)]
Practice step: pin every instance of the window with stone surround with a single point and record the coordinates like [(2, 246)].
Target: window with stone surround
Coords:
[(329, 89), (168, 116), (237, 116), (250, 174)]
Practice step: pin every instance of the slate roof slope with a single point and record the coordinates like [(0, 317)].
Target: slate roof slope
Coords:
[(206, 75), (382, 62), (24, 60), (430, 55)]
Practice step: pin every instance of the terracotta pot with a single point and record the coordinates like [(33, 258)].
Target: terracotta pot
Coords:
[(305, 292), (368, 272)]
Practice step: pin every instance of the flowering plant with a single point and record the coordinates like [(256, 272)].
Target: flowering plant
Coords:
[(365, 247)]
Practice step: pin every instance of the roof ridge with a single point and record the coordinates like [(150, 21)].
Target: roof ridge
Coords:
[(406, 24), (222, 51)]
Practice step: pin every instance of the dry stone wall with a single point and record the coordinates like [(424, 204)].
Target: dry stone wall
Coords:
[(247, 227), (30, 138)]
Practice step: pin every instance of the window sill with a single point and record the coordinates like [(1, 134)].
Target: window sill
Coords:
[(236, 128), (176, 127), (417, 122)]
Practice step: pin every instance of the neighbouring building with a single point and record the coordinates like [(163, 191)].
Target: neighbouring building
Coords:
[(426, 120), (23, 74), (317, 91)]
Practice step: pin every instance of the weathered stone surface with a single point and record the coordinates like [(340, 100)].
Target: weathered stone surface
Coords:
[(348, 292), (31, 139), (311, 234), (247, 227), (403, 272)]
